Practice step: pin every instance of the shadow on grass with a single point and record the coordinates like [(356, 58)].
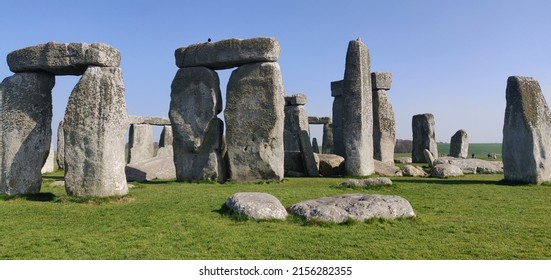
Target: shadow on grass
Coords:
[(434, 181), (50, 197), (225, 211), (41, 197), (53, 177)]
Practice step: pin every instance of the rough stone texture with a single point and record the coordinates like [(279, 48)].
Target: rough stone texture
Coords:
[(386, 169), (25, 131), (330, 165), (228, 53), (296, 99), (358, 116), (381, 80), (403, 160), (413, 171), (140, 143), (165, 151), (319, 120), (384, 125), (473, 165), (257, 206), (310, 165), (338, 111), (195, 103), (379, 181), (155, 168), (445, 170), (429, 157), (60, 146), (353, 206), (423, 137), (148, 120), (63, 58), (526, 133), (315, 145), (94, 134), (49, 164), (296, 120), (459, 144), (327, 145), (254, 118), (166, 137)]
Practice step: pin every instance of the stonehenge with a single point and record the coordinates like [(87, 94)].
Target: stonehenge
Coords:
[(423, 137)]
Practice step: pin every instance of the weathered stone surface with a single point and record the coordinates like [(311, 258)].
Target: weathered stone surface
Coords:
[(195, 103), (445, 170), (423, 137), (386, 169), (254, 118), (60, 146), (319, 120), (140, 143), (413, 171), (25, 131), (526, 133), (358, 116), (473, 165), (330, 165), (338, 111), (353, 206), (336, 88), (165, 151), (148, 120), (165, 139), (295, 99), (310, 165), (94, 134), (379, 181), (384, 125), (327, 145), (459, 144), (49, 164), (150, 169), (258, 206), (315, 145), (63, 58), (429, 157), (403, 160), (228, 53)]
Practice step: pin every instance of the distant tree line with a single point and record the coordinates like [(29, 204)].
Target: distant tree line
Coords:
[(403, 146)]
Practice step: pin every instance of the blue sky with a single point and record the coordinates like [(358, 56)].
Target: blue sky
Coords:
[(449, 58)]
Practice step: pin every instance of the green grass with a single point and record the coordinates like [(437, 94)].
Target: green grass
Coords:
[(473, 217), (481, 150)]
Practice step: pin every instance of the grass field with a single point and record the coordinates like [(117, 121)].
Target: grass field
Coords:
[(473, 217), (481, 150)]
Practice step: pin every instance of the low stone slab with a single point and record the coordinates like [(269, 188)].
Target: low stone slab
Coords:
[(359, 207), (379, 181), (386, 169), (155, 168), (330, 165), (258, 206), (445, 170), (148, 120), (413, 171), (403, 160), (473, 165), (63, 58), (228, 53)]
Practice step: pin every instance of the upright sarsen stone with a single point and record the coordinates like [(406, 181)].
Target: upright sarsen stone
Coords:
[(60, 146), (140, 143), (459, 144), (338, 103), (384, 125), (94, 134), (357, 111), (25, 130), (197, 132), (526, 133), (296, 120), (254, 118), (424, 137)]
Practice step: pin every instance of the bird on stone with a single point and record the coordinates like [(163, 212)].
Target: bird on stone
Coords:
[(209, 40)]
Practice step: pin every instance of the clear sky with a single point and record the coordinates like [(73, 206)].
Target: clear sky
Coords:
[(449, 58)]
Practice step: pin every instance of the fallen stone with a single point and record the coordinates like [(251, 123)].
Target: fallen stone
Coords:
[(413, 171), (403, 160), (63, 58), (257, 206), (386, 169), (359, 207), (57, 184), (445, 170), (25, 131), (429, 157), (330, 165), (228, 53), (379, 181), (473, 165), (94, 134), (155, 168)]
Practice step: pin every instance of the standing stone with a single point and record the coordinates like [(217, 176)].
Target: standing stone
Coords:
[(296, 120), (310, 165), (166, 136), (315, 146), (195, 102), (358, 113), (60, 146), (423, 137), (526, 133), (384, 125), (94, 134), (49, 165), (140, 143), (327, 142), (254, 117), (338, 103), (459, 144), (25, 131)]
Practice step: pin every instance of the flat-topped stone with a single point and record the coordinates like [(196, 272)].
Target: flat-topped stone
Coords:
[(228, 53), (319, 120), (63, 58), (257, 206), (295, 99), (148, 120), (381, 80)]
